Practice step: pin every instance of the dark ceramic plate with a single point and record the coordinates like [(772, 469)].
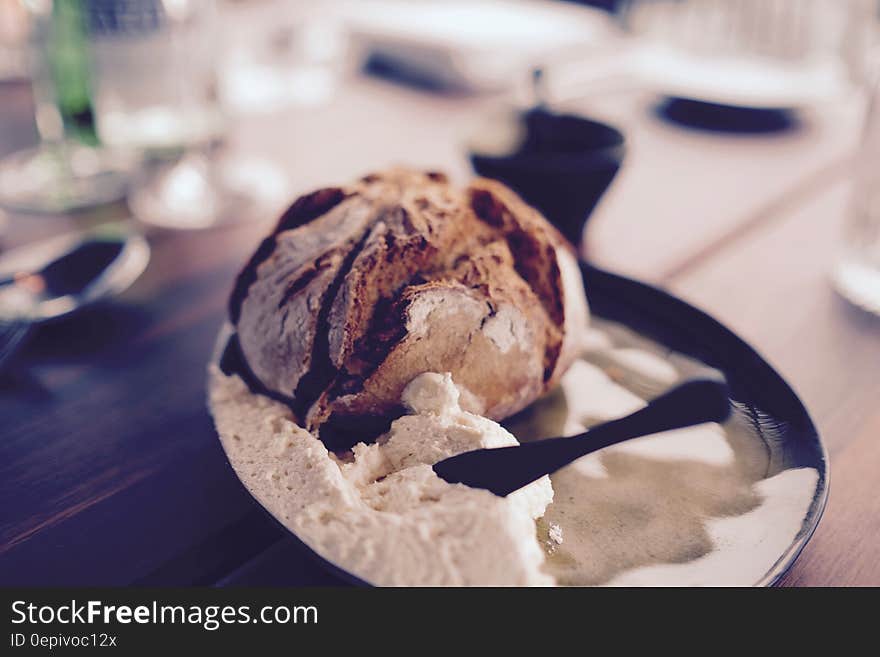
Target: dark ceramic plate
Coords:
[(771, 407)]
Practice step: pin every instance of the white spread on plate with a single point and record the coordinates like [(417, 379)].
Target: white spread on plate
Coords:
[(383, 514)]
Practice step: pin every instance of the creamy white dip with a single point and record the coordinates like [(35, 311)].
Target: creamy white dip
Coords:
[(384, 515)]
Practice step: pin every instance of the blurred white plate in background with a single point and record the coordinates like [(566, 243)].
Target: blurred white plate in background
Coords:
[(481, 44), (738, 81)]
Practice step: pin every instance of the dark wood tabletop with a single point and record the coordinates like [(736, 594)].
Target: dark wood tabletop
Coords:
[(110, 470)]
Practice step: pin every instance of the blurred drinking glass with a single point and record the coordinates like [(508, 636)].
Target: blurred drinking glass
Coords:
[(282, 54), (67, 171), (156, 91), (154, 73), (857, 275), (773, 54)]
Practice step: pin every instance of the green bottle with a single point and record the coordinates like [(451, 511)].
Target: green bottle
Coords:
[(69, 63)]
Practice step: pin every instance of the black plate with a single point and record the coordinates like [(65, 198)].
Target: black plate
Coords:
[(776, 414)]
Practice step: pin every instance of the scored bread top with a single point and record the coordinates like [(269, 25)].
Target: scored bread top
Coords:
[(361, 288)]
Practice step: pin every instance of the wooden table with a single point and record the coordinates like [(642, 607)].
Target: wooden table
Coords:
[(110, 471)]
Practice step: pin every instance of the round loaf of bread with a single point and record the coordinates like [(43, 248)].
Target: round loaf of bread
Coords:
[(360, 289)]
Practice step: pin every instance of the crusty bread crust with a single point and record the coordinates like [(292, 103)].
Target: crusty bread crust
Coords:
[(360, 289)]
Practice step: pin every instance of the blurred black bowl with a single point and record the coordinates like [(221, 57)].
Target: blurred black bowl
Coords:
[(559, 163)]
